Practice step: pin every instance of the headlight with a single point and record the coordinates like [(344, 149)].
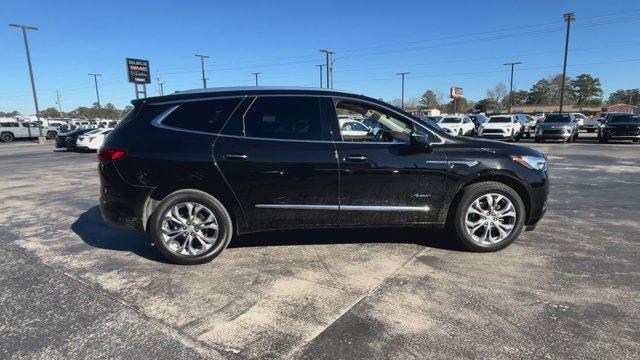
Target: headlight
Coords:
[(531, 162)]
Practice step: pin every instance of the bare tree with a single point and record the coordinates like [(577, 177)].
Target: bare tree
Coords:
[(497, 94)]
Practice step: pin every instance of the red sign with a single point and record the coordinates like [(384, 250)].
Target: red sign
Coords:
[(456, 92)]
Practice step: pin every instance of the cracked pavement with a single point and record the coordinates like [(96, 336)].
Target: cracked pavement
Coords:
[(73, 287)]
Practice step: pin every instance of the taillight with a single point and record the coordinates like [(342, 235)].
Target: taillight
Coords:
[(110, 153)]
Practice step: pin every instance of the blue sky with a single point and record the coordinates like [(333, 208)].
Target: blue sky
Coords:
[(442, 44)]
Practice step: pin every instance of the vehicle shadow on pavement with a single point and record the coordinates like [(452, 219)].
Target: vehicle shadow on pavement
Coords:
[(439, 239), (94, 231)]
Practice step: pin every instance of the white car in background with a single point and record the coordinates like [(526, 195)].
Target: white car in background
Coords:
[(457, 125), (353, 129), (92, 140), (507, 127)]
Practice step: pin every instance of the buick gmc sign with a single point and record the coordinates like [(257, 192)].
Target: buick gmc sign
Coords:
[(138, 71)]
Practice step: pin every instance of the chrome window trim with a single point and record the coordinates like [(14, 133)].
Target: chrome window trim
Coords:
[(343, 207), (158, 120)]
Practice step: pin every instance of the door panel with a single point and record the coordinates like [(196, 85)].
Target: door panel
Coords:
[(281, 184), (389, 183)]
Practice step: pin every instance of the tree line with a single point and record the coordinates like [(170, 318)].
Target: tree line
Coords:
[(583, 91), (108, 111)]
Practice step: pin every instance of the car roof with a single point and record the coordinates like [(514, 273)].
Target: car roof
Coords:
[(249, 90)]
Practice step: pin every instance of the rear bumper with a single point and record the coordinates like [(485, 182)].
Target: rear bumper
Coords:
[(121, 204)]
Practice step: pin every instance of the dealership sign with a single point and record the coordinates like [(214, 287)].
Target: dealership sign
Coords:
[(456, 92), (138, 71)]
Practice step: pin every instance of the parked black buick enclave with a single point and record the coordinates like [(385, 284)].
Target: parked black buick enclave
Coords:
[(195, 167)]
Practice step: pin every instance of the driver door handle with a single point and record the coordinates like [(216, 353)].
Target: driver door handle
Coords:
[(235, 156), (355, 158)]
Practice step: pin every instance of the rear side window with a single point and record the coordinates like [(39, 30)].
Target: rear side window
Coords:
[(208, 116), (285, 117)]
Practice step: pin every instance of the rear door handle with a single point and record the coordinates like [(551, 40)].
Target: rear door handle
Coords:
[(356, 158), (235, 156)]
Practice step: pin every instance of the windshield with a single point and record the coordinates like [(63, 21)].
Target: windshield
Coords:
[(499, 119), (557, 118), (450, 120), (622, 118)]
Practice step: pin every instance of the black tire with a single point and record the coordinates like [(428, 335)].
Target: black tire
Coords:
[(7, 137), (470, 194), (570, 139), (603, 140), (51, 135), (225, 226), (460, 132), (538, 140)]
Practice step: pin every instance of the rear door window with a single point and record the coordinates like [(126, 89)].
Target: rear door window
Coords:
[(207, 116), (284, 117)]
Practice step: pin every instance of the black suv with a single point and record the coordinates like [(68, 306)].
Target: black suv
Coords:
[(195, 167), (620, 127)]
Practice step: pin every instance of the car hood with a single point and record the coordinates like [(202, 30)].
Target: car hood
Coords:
[(556, 124), (496, 125), (626, 123), (501, 147)]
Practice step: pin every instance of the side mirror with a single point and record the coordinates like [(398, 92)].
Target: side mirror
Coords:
[(420, 141)]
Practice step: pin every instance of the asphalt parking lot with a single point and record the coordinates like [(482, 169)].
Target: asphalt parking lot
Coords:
[(73, 287)]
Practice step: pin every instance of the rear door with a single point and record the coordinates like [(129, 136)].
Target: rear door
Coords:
[(277, 159)]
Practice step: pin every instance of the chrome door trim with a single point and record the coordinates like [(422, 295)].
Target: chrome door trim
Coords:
[(383, 208), (343, 207), (297, 207), (465, 163)]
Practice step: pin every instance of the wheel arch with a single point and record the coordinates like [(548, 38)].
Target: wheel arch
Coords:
[(502, 177), (218, 191)]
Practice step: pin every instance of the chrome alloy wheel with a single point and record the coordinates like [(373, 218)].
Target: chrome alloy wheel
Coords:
[(189, 229), (490, 219)]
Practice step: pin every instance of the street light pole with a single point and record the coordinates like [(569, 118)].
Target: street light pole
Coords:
[(33, 82), (95, 80), (59, 102), (329, 55), (402, 97), (256, 76), (320, 66), (568, 17), (204, 78), (512, 64)]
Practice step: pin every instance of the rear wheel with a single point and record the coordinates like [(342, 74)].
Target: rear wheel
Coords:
[(191, 227), (489, 216), (51, 135), (6, 137)]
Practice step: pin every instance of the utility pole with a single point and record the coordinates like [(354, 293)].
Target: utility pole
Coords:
[(320, 66), (33, 82), (204, 78), (256, 76), (160, 85), (329, 65), (402, 97), (512, 64), (568, 17), (95, 80), (59, 102)]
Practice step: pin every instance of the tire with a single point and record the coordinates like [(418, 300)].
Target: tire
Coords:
[(603, 140), (570, 139), (51, 135), (475, 191), (460, 132), (211, 206), (7, 137), (538, 140)]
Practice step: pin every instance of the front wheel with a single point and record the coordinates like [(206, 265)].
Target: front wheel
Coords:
[(489, 216), (6, 137), (51, 135), (191, 227)]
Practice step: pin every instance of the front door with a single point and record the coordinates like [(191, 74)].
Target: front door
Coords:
[(385, 180), (280, 167)]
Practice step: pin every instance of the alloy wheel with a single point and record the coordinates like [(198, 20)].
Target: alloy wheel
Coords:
[(189, 229), (490, 219)]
